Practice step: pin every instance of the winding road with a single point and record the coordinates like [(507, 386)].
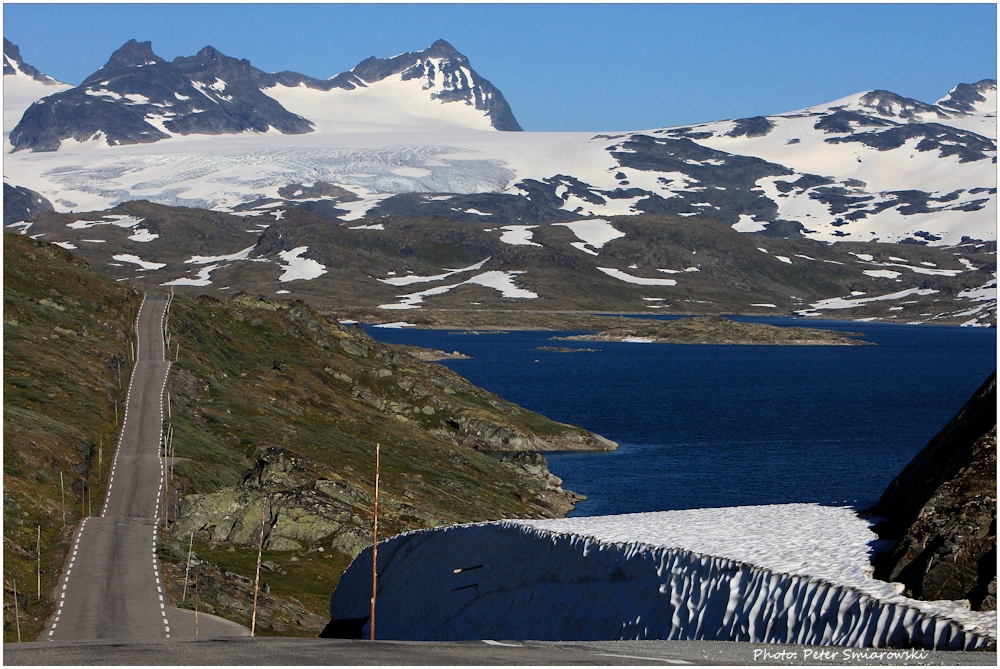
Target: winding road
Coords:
[(111, 587)]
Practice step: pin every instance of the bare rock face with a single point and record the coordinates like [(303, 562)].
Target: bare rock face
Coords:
[(941, 511), (298, 505)]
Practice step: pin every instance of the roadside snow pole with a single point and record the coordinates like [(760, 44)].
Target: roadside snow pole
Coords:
[(187, 568), (375, 547), (196, 577), (256, 580), (38, 554), (62, 494), (17, 614)]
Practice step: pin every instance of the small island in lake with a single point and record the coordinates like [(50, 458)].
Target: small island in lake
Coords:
[(717, 330)]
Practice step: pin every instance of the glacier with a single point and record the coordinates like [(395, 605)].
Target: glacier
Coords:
[(787, 573)]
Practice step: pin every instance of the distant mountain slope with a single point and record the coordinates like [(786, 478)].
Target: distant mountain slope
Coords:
[(414, 136), (394, 267), (22, 85), (20, 204)]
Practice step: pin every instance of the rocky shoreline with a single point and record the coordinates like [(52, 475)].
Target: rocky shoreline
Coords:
[(717, 330)]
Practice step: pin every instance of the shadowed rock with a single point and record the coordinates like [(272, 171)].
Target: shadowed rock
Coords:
[(941, 511)]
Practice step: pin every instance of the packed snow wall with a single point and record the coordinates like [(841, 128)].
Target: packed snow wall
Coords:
[(511, 580)]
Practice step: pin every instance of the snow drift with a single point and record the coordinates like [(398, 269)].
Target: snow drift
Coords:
[(795, 573)]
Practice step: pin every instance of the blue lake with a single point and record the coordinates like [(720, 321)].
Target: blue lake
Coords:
[(703, 426)]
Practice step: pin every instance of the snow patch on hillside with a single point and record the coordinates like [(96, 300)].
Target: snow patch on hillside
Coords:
[(593, 234), (849, 303), (638, 280), (496, 279), (136, 260), (413, 278), (239, 255), (143, 235), (202, 278), (299, 268), (518, 235)]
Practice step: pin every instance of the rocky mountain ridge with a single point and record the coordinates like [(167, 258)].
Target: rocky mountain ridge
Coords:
[(138, 97)]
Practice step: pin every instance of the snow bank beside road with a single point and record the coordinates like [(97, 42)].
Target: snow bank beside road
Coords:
[(795, 573)]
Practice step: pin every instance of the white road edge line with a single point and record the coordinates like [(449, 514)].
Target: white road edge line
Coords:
[(643, 657)]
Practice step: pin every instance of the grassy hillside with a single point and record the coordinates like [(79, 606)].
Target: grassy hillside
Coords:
[(273, 405), (274, 411), (67, 345)]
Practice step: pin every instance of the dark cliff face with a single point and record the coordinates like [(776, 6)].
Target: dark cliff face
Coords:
[(941, 511)]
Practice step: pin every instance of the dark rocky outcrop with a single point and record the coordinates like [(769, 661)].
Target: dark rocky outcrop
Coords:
[(941, 511), (963, 98), (207, 93), (20, 204)]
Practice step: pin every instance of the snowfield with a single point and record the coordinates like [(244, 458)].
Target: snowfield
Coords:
[(388, 155), (789, 573), (501, 281)]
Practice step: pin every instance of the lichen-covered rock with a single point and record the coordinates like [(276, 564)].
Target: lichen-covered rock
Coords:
[(552, 501), (572, 441), (482, 434), (941, 511), (284, 496), (352, 347)]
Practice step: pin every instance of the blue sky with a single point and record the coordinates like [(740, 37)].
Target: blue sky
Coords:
[(585, 67)]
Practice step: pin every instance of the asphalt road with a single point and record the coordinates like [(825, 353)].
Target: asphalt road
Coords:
[(111, 586), (265, 651)]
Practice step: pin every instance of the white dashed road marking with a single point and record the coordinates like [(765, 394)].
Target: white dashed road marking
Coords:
[(161, 493)]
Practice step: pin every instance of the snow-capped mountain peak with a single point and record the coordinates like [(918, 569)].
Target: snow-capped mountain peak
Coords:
[(433, 87), (22, 85), (977, 98)]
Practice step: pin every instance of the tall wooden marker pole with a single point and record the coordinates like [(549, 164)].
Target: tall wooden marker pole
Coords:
[(375, 547), (256, 580)]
